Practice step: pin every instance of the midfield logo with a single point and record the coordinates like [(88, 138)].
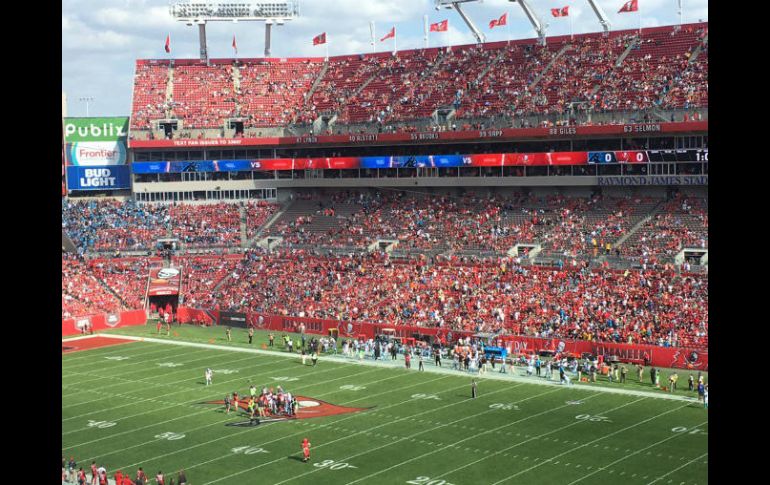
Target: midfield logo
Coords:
[(308, 408)]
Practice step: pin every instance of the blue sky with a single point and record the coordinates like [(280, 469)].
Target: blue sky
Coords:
[(101, 39)]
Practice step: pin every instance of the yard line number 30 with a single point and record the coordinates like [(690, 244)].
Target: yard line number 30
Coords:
[(428, 481)]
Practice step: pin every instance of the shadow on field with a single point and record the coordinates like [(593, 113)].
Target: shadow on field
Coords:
[(295, 458)]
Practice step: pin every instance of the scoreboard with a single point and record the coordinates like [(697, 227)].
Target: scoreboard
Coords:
[(679, 155), (646, 156), (419, 161)]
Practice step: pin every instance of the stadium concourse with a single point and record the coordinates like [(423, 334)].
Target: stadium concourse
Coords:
[(456, 275), (665, 68)]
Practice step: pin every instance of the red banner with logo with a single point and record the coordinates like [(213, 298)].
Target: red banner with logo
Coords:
[(104, 321), (657, 356), (539, 159), (164, 281)]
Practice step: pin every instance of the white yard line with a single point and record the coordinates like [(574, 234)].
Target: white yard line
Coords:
[(678, 468), (156, 384), (431, 369), (71, 374), (142, 400), (428, 368), (472, 437), (213, 362), (572, 450), (113, 349), (230, 417), (137, 359), (81, 337), (172, 406), (388, 424), (294, 434)]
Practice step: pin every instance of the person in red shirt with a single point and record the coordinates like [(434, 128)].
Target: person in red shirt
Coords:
[(94, 474), (160, 479), (103, 478), (118, 477), (81, 477), (126, 481), (140, 476), (306, 450)]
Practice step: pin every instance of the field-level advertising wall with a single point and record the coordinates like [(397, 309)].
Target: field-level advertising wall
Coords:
[(96, 152), (683, 358), (103, 321)]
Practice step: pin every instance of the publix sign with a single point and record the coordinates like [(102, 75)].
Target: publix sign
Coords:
[(95, 129)]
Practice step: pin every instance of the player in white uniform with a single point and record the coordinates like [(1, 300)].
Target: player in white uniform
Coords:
[(208, 375)]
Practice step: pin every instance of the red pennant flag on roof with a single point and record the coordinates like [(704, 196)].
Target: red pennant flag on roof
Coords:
[(235, 46), (503, 20), (389, 35), (319, 39), (168, 43), (562, 12), (630, 6), (440, 26)]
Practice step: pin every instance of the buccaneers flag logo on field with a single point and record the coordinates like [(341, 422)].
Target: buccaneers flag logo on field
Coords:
[(308, 408)]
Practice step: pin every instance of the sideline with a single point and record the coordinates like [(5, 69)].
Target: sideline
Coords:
[(429, 367)]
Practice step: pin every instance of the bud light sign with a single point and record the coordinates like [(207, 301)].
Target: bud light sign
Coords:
[(98, 178)]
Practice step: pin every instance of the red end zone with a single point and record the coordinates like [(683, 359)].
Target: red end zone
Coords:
[(68, 346)]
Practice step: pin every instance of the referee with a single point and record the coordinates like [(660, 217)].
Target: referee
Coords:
[(473, 388)]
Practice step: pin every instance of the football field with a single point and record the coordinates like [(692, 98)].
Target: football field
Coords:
[(129, 404)]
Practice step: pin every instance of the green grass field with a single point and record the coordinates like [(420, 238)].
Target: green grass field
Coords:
[(143, 404)]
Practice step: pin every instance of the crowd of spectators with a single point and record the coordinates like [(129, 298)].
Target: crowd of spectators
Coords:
[(81, 292), (201, 274), (106, 225), (112, 225), (273, 94), (478, 81), (656, 305), (655, 74), (565, 225), (149, 99), (653, 306), (203, 95), (257, 214), (681, 223), (127, 277), (208, 225)]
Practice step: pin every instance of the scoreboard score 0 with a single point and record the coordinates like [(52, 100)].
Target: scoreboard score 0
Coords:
[(645, 156)]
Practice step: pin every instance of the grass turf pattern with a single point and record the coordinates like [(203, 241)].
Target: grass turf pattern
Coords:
[(142, 404)]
